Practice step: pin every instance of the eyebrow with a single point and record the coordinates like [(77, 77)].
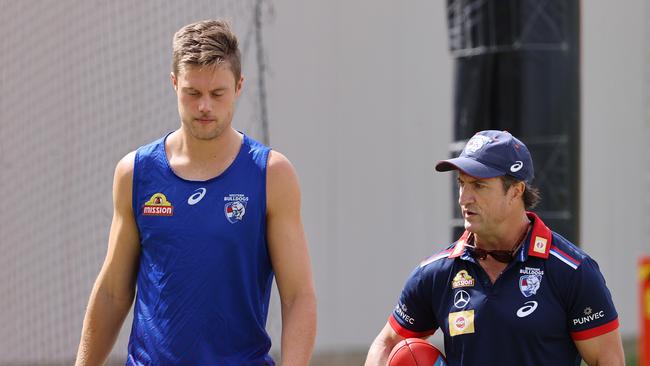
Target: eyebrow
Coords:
[(470, 180), (220, 89)]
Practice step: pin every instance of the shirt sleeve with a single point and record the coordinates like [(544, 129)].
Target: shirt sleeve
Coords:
[(413, 317), (591, 309)]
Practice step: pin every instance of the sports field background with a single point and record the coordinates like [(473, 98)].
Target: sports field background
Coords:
[(356, 93)]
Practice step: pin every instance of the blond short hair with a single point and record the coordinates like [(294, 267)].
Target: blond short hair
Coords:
[(206, 43)]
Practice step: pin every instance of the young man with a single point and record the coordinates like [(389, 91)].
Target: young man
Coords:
[(203, 218), (509, 291)]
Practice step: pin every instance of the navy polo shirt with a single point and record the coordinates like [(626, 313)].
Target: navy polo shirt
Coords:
[(549, 296)]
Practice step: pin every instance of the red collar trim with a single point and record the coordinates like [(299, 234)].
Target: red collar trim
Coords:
[(540, 238), (539, 245), (459, 248)]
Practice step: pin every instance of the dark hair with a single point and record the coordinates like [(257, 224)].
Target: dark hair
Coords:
[(206, 43), (531, 194)]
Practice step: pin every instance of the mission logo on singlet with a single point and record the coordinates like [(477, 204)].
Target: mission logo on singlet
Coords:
[(235, 207), (158, 205)]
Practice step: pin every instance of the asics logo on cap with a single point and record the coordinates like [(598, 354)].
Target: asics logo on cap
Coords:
[(517, 166), (197, 196)]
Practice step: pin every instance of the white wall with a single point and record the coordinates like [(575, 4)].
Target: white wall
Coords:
[(361, 104), (615, 131)]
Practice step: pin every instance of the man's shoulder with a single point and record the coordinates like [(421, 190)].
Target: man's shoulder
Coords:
[(151, 146), (437, 267), (282, 186), (145, 155), (259, 153), (566, 254), (440, 260), (277, 162), (126, 164), (253, 143)]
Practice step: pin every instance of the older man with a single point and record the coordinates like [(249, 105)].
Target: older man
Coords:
[(510, 291)]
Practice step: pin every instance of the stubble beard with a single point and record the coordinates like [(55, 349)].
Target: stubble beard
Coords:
[(198, 132), (474, 225)]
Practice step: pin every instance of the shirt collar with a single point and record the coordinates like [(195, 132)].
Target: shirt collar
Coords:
[(537, 243)]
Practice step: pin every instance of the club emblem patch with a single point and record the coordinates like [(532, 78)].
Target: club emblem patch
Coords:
[(540, 245), (529, 284), (235, 207), (158, 205), (476, 143)]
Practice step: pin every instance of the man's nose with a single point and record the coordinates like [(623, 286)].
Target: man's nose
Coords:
[(465, 196), (204, 105)]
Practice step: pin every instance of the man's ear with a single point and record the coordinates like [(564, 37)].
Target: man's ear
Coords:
[(518, 190), (239, 85), (172, 76)]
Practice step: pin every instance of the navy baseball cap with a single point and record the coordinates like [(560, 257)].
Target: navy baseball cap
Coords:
[(490, 154)]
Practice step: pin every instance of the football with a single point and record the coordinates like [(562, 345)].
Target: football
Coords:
[(415, 352)]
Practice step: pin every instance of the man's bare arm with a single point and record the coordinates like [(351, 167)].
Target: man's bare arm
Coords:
[(114, 289), (291, 263), (604, 350), (382, 345)]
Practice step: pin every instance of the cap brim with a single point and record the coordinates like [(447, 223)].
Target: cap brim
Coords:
[(469, 167)]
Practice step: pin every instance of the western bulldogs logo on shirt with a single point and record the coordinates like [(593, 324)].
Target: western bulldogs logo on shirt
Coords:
[(235, 207), (529, 284)]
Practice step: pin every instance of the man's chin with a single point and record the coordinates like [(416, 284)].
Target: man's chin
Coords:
[(469, 226), (205, 134), (206, 137)]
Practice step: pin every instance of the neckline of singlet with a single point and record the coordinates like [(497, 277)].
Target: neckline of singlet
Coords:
[(238, 157)]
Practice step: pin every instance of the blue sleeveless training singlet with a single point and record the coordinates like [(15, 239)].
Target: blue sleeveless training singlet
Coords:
[(205, 274)]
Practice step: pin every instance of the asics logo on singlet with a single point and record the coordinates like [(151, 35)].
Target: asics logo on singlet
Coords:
[(527, 309), (197, 196)]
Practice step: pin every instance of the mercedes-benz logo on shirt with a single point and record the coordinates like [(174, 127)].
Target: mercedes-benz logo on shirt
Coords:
[(461, 299)]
